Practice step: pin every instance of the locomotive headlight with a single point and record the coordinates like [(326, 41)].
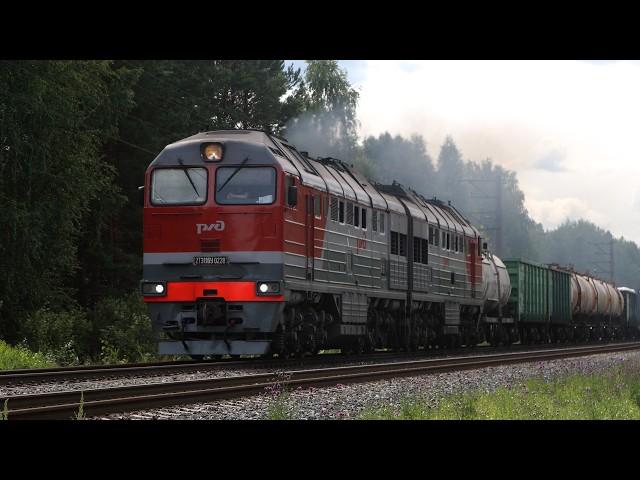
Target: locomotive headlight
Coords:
[(268, 288), (154, 288), (212, 152)]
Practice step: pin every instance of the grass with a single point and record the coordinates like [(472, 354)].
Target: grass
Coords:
[(80, 415), (614, 395), (278, 410), (12, 358)]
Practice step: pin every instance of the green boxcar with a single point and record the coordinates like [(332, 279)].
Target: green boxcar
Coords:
[(560, 296), (539, 294)]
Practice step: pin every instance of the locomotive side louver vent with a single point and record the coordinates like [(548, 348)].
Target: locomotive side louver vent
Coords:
[(212, 245), (334, 209)]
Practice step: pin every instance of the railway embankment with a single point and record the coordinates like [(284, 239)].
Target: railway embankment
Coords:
[(611, 394), (598, 379)]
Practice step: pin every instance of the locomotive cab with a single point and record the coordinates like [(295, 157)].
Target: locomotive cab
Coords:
[(212, 264)]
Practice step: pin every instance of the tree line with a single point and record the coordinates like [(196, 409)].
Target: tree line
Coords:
[(77, 136)]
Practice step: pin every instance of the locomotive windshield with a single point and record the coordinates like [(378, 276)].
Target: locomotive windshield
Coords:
[(179, 186), (245, 186)]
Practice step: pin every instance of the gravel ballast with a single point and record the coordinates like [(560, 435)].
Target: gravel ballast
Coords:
[(348, 401)]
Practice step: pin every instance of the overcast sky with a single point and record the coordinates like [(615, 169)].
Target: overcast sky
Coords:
[(570, 129)]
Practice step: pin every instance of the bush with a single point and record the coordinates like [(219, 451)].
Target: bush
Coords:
[(123, 330), (59, 335), (116, 330), (20, 357)]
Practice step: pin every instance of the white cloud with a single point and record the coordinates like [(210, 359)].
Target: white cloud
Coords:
[(579, 119)]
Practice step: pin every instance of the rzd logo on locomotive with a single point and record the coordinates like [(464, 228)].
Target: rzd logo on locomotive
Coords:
[(208, 227)]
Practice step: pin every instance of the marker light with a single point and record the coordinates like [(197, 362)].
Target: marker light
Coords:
[(264, 288), (159, 288), (212, 152)]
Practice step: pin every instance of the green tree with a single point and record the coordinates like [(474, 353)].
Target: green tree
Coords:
[(451, 173), (406, 161), (175, 99), (55, 116), (585, 246), (329, 125)]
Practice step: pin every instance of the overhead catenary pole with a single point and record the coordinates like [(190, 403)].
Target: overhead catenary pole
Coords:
[(494, 213), (601, 266), (499, 212)]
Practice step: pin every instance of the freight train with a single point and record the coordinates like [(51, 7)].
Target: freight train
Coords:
[(253, 247)]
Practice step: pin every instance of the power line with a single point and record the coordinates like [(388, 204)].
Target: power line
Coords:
[(132, 145)]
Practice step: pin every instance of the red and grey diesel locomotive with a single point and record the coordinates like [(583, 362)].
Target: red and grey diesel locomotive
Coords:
[(252, 247)]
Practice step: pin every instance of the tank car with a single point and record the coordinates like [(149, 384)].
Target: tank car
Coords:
[(499, 326), (597, 307)]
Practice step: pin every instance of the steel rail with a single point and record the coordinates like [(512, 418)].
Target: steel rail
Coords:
[(64, 405)]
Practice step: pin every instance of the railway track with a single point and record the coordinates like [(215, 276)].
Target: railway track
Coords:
[(104, 372), (64, 405), (20, 377)]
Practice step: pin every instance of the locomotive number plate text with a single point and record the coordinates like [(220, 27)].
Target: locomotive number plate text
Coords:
[(210, 260)]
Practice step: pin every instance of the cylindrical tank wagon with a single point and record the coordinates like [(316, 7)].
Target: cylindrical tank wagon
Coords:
[(583, 295), (617, 302), (496, 282), (593, 297)]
